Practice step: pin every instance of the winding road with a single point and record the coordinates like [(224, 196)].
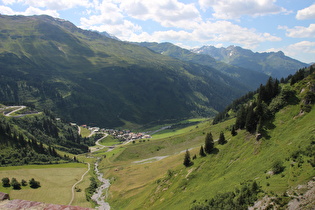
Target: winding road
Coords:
[(16, 109)]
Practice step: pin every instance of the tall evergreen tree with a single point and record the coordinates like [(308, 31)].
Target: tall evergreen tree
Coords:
[(233, 131), (251, 121), (202, 152), (222, 139), (240, 118), (187, 161), (209, 143), (260, 125)]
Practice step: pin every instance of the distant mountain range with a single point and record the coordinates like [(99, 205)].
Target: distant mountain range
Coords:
[(86, 77), (251, 79), (275, 64)]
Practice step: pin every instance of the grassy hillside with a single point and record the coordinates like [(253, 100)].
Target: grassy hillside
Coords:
[(151, 174), (37, 138), (56, 182), (91, 79)]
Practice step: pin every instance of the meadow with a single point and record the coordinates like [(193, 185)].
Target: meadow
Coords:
[(168, 184), (56, 181)]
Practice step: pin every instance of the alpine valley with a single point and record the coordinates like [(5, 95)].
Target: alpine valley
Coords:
[(96, 121)]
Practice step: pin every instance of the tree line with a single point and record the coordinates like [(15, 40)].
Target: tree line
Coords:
[(254, 110), (16, 185)]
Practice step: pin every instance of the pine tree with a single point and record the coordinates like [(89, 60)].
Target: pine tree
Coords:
[(222, 138), (209, 143), (15, 184), (260, 126), (233, 131), (251, 121), (202, 152), (187, 161), (240, 118)]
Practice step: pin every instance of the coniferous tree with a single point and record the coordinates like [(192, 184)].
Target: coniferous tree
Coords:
[(240, 118), (34, 184), (222, 139), (15, 184), (233, 131), (187, 161), (6, 182), (251, 121), (209, 143), (202, 152), (260, 125)]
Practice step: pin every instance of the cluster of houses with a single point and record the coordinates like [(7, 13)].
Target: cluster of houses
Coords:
[(123, 135)]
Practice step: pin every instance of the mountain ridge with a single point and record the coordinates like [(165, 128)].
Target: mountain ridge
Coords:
[(106, 81), (275, 64)]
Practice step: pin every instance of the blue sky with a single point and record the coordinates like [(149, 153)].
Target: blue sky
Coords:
[(259, 25)]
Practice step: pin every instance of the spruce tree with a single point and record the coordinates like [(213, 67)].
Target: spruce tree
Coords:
[(222, 138), (233, 131), (187, 161), (209, 143), (15, 184), (251, 121), (240, 118), (202, 152)]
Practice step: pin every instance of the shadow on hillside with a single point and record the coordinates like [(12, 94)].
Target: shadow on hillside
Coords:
[(215, 151)]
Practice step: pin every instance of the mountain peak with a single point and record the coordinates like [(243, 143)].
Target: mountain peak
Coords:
[(275, 64)]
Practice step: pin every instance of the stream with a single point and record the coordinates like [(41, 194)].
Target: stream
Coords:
[(98, 195)]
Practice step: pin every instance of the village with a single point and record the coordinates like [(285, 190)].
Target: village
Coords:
[(122, 135)]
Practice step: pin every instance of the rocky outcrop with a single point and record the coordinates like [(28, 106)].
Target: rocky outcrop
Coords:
[(23, 204)]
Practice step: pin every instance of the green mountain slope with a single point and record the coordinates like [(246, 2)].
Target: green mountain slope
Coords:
[(92, 79), (279, 161), (33, 138), (274, 64), (252, 79)]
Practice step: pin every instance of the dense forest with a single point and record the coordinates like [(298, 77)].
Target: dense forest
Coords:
[(256, 109), (36, 139)]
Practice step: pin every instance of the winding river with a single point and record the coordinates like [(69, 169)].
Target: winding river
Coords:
[(98, 195)]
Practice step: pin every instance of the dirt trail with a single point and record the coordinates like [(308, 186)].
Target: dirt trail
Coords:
[(73, 187)]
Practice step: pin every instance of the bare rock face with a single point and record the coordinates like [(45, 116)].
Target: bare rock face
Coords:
[(4, 196), (23, 204)]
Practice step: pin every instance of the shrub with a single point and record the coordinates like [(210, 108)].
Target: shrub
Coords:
[(277, 167)]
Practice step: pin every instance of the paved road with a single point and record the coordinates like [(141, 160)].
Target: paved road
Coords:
[(17, 108)]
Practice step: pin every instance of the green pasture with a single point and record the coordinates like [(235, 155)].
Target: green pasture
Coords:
[(85, 132), (109, 141), (56, 183)]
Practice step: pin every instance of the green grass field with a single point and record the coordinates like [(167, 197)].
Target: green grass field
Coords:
[(243, 158), (85, 132), (56, 182), (109, 141)]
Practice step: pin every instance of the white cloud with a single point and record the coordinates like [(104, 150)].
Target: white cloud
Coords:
[(6, 10), (225, 31), (169, 13), (37, 11), (109, 17), (29, 11), (306, 13), (231, 9), (57, 5), (7, 2), (220, 31), (303, 51), (300, 31)]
